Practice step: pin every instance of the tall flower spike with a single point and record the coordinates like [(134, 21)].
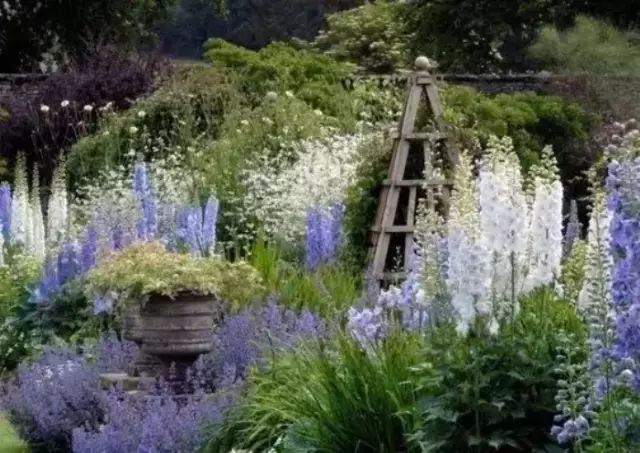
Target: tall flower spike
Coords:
[(20, 212), (147, 205), (5, 210), (313, 244), (545, 225), (57, 210), (37, 221), (503, 219), (594, 301), (468, 267), (623, 183)]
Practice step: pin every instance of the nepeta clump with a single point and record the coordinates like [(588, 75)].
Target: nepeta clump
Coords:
[(156, 423), (248, 338), (53, 396)]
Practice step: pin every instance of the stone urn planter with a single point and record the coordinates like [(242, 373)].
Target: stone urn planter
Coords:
[(132, 324), (144, 364), (178, 329)]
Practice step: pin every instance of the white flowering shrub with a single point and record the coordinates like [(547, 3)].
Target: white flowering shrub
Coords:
[(281, 188)]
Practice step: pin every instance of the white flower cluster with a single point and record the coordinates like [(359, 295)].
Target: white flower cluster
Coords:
[(545, 227), (504, 214), (595, 295), (27, 226), (468, 265), (281, 188), (500, 243)]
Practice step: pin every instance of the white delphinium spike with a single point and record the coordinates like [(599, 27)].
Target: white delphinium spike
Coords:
[(503, 220), (596, 290), (37, 245), (467, 266), (57, 210), (20, 214), (545, 224)]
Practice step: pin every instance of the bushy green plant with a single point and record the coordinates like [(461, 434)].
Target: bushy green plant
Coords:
[(188, 108), (16, 276), (333, 398), (277, 67), (590, 46), (313, 77), (495, 393), (374, 36), (328, 290), (144, 269), (602, 60)]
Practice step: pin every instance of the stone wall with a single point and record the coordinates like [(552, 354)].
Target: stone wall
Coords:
[(24, 83)]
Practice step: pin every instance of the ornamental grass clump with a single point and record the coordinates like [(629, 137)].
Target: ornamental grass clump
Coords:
[(140, 270)]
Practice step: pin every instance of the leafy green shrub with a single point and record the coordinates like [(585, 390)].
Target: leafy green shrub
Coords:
[(374, 36), (188, 108), (311, 76), (320, 399), (496, 393)]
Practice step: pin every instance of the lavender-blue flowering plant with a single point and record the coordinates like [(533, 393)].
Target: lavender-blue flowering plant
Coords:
[(5, 210)]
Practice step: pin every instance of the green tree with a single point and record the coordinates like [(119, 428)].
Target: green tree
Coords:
[(34, 32)]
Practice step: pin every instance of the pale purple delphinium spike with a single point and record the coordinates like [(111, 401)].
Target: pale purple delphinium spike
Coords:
[(89, 249), (314, 248), (147, 217), (323, 235), (5, 210), (49, 283), (68, 262)]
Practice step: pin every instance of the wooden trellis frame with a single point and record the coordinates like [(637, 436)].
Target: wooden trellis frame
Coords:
[(393, 205)]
